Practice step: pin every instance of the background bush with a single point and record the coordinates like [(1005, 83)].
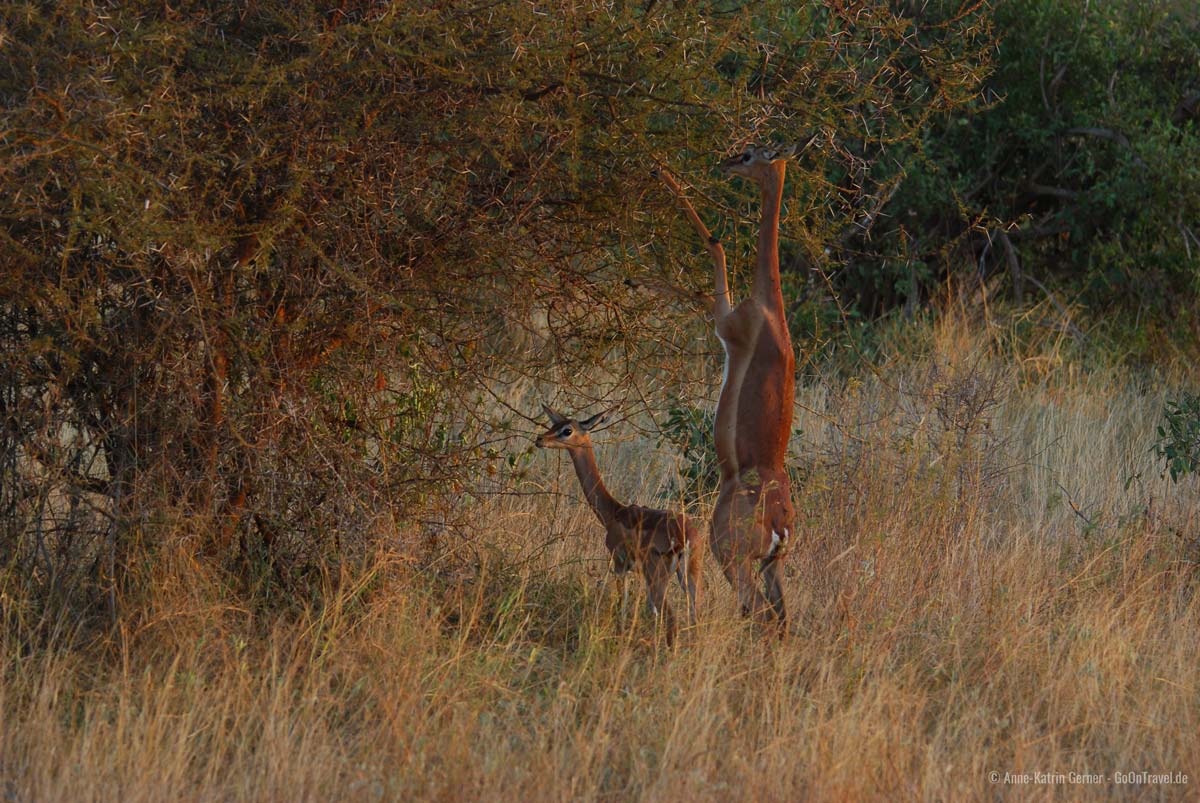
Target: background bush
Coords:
[(1074, 168)]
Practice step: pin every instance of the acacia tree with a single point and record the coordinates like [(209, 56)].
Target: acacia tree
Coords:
[(265, 265)]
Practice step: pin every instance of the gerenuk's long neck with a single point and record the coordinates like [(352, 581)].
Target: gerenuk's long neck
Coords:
[(593, 487), (766, 275)]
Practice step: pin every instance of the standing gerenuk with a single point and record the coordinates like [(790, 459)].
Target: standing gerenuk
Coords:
[(753, 518)]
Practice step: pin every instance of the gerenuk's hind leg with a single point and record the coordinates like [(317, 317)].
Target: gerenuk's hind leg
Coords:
[(658, 576), (772, 572), (736, 566), (737, 543), (751, 602)]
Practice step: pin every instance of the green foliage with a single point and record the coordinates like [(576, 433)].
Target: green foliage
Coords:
[(1178, 444), (689, 429), (1082, 146)]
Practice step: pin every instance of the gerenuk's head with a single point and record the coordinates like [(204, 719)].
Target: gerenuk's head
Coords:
[(568, 433)]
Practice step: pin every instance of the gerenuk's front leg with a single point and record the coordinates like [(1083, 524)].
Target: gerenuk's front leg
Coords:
[(722, 302)]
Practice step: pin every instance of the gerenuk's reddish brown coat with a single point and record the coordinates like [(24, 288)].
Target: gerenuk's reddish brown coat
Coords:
[(753, 518), (659, 541)]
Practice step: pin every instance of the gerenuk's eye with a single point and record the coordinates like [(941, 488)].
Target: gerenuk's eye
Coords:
[(566, 432)]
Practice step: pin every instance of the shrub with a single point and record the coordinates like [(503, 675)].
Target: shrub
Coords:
[(1074, 169), (689, 428), (1178, 444)]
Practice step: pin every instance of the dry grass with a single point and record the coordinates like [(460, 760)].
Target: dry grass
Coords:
[(992, 577)]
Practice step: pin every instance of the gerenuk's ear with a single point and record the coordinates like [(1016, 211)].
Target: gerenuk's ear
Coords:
[(555, 418), (595, 421)]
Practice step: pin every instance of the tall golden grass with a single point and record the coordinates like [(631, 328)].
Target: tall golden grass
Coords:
[(992, 577)]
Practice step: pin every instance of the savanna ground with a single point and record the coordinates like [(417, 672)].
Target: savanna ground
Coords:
[(993, 576)]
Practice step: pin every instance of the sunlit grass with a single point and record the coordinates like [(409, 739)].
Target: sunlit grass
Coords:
[(1015, 593)]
